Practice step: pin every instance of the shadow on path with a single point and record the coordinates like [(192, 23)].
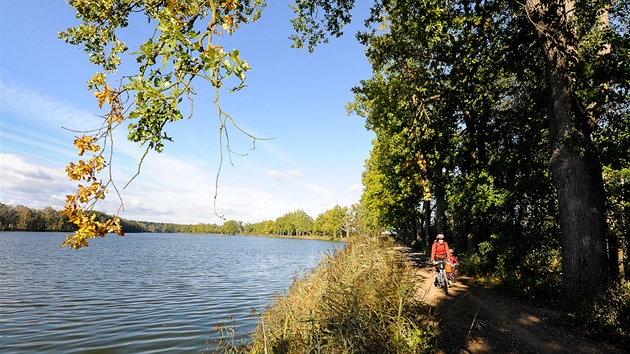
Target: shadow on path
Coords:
[(475, 319)]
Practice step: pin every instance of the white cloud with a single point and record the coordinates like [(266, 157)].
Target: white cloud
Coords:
[(37, 141), (355, 188), (295, 177), (292, 175), (274, 150), (44, 108), (277, 175), (36, 186), (168, 189), (316, 189)]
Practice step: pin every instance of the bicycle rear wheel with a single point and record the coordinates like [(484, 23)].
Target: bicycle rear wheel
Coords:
[(444, 283), (452, 277)]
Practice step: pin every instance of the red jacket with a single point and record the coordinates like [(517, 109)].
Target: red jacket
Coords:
[(440, 251)]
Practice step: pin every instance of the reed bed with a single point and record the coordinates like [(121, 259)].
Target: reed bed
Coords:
[(361, 299)]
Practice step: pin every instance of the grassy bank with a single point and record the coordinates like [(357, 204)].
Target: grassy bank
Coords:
[(357, 300)]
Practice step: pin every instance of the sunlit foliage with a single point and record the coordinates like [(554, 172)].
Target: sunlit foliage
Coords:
[(182, 50)]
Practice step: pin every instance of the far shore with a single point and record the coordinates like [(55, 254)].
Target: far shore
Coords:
[(302, 237)]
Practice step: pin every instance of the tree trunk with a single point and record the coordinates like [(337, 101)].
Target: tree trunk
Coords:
[(621, 268), (414, 236), (576, 170), (620, 250), (440, 204), (441, 215), (471, 240), (427, 222)]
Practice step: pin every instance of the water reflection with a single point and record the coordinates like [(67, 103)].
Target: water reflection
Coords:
[(141, 292)]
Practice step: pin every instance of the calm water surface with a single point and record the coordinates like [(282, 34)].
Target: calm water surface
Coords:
[(157, 293)]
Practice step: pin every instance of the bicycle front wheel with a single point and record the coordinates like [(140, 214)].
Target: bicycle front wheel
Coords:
[(444, 283)]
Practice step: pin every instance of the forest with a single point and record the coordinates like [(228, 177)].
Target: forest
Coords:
[(331, 224), (506, 126)]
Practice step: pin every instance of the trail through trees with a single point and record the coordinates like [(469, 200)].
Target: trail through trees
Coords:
[(475, 319)]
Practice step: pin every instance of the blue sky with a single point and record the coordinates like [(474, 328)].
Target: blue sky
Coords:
[(314, 161)]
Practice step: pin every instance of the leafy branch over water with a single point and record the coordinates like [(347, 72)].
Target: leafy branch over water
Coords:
[(181, 50)]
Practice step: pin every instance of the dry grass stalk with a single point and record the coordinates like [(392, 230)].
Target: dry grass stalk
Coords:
[(357, 300)]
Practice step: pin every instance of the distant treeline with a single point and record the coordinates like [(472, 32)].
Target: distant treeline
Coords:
[(331, 224), (22, 218)]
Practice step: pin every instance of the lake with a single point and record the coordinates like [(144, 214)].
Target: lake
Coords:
[(158, 293)]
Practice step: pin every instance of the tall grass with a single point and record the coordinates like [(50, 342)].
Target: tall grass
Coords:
[(358, 300)]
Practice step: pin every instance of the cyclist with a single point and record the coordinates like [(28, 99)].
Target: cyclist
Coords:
[(452, 262), (439, 252)]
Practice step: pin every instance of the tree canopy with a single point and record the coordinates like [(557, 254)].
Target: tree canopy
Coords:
[(504, 110)]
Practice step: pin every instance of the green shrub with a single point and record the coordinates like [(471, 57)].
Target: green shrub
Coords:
[(608, 317), (529, 274)]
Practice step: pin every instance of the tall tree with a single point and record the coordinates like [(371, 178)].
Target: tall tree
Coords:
[(573, 35), (331, 222), (585, 61), (300, 222), (232, 227)]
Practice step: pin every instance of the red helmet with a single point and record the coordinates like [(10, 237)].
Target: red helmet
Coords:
[(440, 237)]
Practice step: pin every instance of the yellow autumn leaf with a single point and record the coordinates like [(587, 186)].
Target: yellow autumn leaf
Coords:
[(102, 96), (229, 5)]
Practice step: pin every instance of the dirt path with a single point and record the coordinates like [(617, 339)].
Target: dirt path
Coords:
[(474, 319)]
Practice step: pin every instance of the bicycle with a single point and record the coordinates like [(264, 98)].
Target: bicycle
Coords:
[(442, 278), (450, 273)]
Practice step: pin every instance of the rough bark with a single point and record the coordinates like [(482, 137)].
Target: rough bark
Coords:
[(427, 222), (576, 170), (471, 241), (440, 222)]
